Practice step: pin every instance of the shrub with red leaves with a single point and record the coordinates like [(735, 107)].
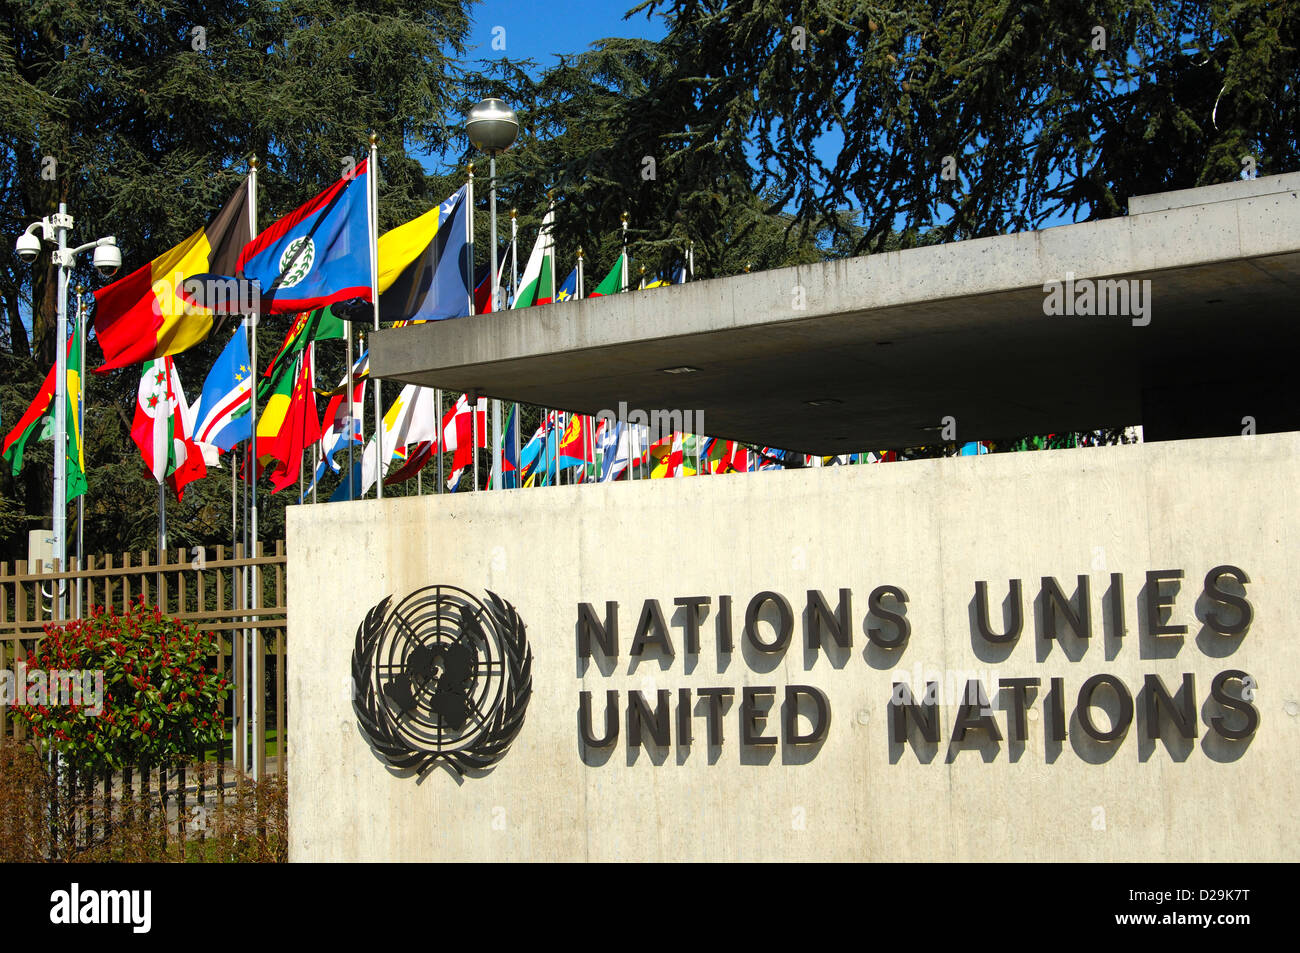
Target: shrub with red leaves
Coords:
[(162, 703)]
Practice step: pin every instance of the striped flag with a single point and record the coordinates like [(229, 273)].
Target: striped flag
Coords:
[(537, 283), (158, 428), (221, 418), (41, 411), (423, 265), (144, 316)]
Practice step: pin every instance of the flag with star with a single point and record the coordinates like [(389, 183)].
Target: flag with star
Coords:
[(569, 290), (221, 416), (159, 427), (290, 423)]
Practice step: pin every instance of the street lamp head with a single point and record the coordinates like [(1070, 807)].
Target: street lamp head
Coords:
[(492, 126), (28, 247), (108, 258)]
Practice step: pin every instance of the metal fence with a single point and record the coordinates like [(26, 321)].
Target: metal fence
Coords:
[(238, 597)]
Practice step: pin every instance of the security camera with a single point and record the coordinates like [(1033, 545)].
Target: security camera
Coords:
[(108, 258), (28, 247)]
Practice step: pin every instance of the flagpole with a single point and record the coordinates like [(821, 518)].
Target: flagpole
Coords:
[(624, 269), (81, 437), (514, 290), (550, 239), (473, 440), (495, 298), (162, 519), (469, 241), (247, 704), (589, 433), (442, 435), (352, 409), (251, 461), (690, 262), (372, 204), (514, 254)]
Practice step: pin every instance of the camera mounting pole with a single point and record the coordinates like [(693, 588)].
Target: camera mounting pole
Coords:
[(106, 263)]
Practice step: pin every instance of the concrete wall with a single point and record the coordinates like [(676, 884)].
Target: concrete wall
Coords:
[(932, 528)]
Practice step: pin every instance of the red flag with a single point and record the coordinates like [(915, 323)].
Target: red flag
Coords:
[(159, 429), (458, 429), (300, 429)]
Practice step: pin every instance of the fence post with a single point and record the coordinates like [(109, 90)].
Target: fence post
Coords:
[(258, 681), (237, 667)]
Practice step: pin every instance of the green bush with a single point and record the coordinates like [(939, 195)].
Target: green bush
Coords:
[(161, 701)]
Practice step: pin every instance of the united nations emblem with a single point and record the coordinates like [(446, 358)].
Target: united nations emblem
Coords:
[(441, 678), (296, 261)]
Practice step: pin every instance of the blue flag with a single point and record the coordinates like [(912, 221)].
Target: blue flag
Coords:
[(509, 462), (569, 289), (344, 491), (435, 283), (317, 254), (221, 417), (538, 458), (612, 449)]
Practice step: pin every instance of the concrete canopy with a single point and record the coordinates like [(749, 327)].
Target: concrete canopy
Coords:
[(874, 352)]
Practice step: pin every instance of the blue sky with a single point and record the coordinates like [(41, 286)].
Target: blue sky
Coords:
[(542, 31)]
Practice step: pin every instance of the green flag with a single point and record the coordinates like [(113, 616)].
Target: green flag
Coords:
[(38, 420), (613, 282), (320, 325)]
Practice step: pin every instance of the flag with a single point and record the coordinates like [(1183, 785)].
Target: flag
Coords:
[(158, 428), (307, 326), (145, 315), (361, 372), (723, 456), (317, 254), (344, 491), (458, 429), (538, 458), (666, 456), (574, 450), (289, 425), (40, 413), (613, 282), (412, 418), (343, 422), (423, 265), (16, 439), (612, 440), (75, 450), (537, 283), (416, 457), (509, 463), (569, 289), (221, 417)]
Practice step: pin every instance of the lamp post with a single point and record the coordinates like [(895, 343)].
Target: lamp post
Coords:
[(107, 259), (492, 128)]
